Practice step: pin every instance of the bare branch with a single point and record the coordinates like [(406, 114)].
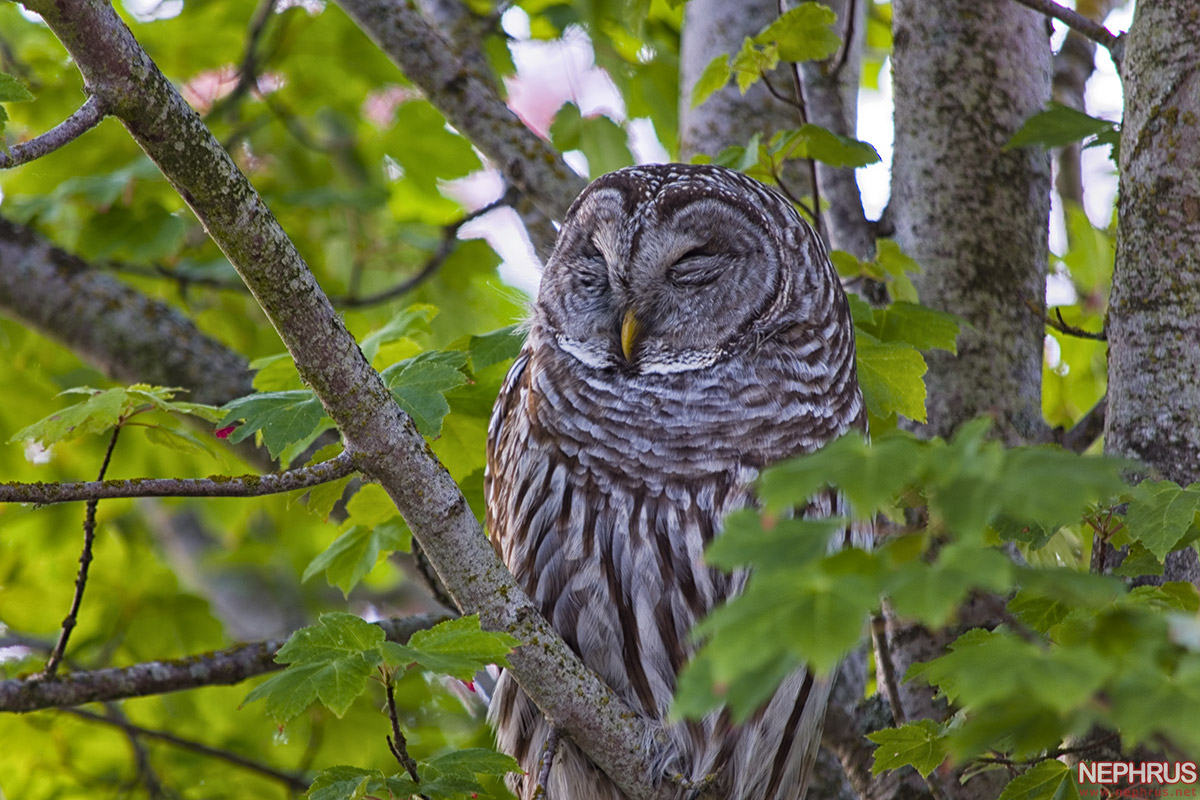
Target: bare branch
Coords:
[(396, 742), (236, 486), (220, 668), (83, 120), (85, 560), (292, 780), (1062, 326), (1090, 28), (469, 102)]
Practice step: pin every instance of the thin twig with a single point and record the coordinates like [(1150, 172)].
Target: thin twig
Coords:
[(445, 248), (141, 756), (219, 668), (790, 195), (1093, 30), (85, 560), (883, 655), (1062, 326), (396, 742), (247, 75), (293, 780), (546, 761), (83, 120), (802, 110), (847, 39), (184, 282), (1058, 752), (235, 486), (774, 92)]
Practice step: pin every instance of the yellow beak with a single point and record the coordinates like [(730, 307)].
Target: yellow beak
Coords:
[(630, 328)]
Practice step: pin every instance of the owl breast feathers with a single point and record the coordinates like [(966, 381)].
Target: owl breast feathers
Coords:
[(689, 330)]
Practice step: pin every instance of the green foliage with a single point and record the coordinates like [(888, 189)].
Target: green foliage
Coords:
[(329, 661), (1073, 637), (11, 91), (714, 78), (282, 418), (332, 660), (106, 409), (419, 385), (603, 141), (1162, 516), (448, 777), (1047, 780), (918, 744), (803, 33), (889, 338), (458, 648), (1058, 126), (813, 141)]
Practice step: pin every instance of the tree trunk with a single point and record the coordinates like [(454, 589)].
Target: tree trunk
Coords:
[(1154, 312), (966, 75)]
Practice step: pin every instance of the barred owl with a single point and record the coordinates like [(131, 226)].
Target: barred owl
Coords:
[(689, 330)]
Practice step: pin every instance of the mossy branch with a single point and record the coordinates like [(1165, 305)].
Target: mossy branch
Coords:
[(232, 486)]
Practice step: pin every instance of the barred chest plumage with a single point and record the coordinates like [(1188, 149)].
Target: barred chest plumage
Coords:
[(689, 331)]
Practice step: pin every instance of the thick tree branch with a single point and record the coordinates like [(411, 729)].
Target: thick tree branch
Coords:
[(128, 336), (293, 781), (329, 360), (468, 101), (220, 668), (1088, 27), (83, 120), (235, 486)]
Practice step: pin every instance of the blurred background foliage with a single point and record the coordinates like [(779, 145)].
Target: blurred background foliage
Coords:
[(361, 171)]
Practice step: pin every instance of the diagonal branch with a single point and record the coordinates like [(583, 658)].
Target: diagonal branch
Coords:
[(1115, 44), (237, 486), (392, 451), (469, 102), (83, 120), (125, 334), (220, 668)]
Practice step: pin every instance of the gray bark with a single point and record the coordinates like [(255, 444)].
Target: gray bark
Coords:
[(391, 451), (966, 76), (123, 333), (1154, 310)]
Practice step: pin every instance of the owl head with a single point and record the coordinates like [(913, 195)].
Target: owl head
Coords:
[(669, 268)]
